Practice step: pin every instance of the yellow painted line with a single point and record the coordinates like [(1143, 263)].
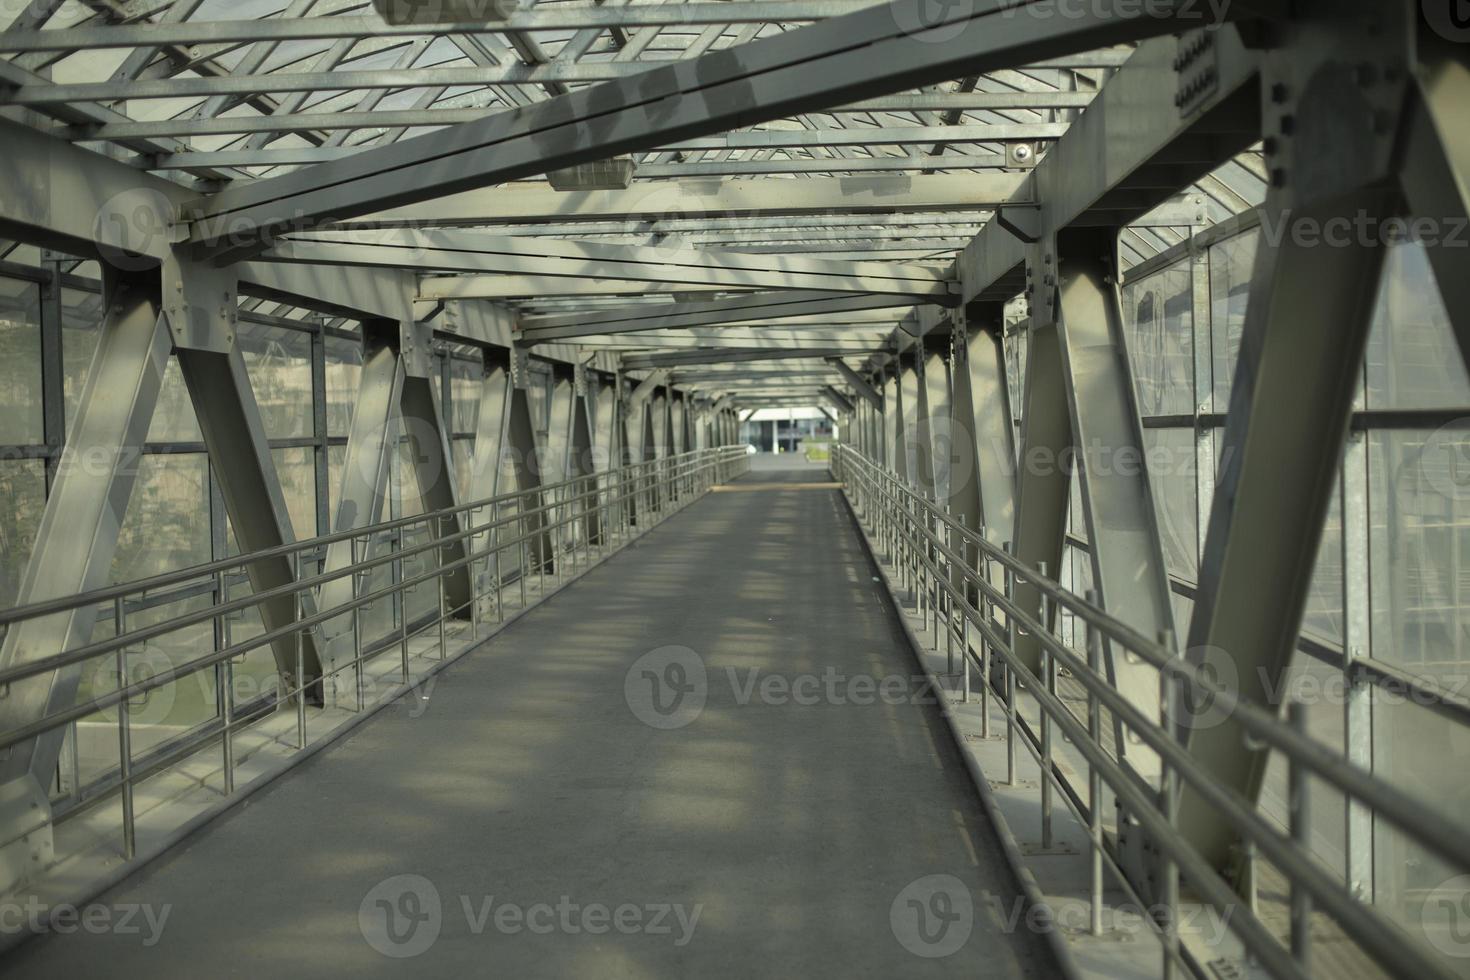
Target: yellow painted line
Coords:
[(744, 487)]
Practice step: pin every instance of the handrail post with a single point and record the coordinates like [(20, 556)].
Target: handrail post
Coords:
[(1010, 671), (1094, 775), (299, 633), (1048, 681), (124, 734), (225, 684), (1169, 796), (439, 582), (357, 664)]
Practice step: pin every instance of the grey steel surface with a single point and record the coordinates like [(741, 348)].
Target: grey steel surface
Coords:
[(524, 775)]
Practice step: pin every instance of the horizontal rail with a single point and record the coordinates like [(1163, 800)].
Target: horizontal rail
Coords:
[(926, 535)]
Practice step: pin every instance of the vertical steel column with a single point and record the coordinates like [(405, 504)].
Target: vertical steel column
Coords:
[(74, 548), (1044, 479), (490, 460), (990, 417), (364, 485), (1129, 574), (893, 400), (915, 423), (940, 439)]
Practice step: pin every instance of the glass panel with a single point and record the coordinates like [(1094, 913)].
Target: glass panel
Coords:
[(173, 418), (1419, 542), (464, 390), (279, 364), (166, 527), (20, 363), (1426, 755), (81, 315), (1230, 283), (1171, 473), (1158, 321), (167, 522), (344, 371), (1324, 602), (296, 469), (23, 488), (1412, 359), (1319, 686)]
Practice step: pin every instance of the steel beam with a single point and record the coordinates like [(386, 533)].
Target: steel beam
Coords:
[(459, 251), (673, 316), (634, 362), (1127, 552), (870, 52), (659, 201), (371, 441), (858, 383), (1043, 480)]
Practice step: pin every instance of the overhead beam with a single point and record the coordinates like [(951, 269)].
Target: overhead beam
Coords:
[(460, 251), (1105, 156), (859, 384), (667, 316), (649, 200), (868, 53), (636, 361)]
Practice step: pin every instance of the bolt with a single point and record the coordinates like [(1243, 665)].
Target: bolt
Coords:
[(1270, 145), (1278, 92), (1278, 177), (1288, 125)]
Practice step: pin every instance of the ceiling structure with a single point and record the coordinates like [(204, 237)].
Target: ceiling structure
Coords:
[(215, 97)]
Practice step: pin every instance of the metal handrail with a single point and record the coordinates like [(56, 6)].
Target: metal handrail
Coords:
[(906, 516), (651, 485), (106, 593)]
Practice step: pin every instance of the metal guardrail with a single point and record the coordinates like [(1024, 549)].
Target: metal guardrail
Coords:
[(502, 551), (967, 583)]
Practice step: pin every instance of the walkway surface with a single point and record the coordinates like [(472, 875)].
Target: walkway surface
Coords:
[(701, 760)]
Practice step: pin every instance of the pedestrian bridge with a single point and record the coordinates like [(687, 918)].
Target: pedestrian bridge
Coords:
[(759, 487)]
